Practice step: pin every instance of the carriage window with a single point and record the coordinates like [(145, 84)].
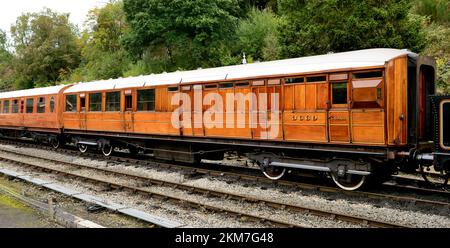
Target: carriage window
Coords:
[(339, 93), (71, 103), (15, 106), (146, 100), (82, 102), (367, 93), (52, 104), (242, 84), (371, 74), (95, 102), (295, 80), (113, 101), (211, 86), (41, 105), (316, 79), (172, 89), (30, 105), (6, 106), (129, 103), (226, 85)]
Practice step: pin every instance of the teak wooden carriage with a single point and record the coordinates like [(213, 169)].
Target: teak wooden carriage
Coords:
[(371, 99), (351, 114), (34, 112)]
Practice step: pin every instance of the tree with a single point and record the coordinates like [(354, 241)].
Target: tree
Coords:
[(103, 55), (6, 70), (437, 10), (181, 34), (317, 27), (46, 48), (258, 35)]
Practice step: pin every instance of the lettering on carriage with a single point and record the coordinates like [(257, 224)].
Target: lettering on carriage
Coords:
[(305, 118), (338, 118)]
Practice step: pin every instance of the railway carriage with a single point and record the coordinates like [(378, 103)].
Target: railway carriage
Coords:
[(34, 113), (353, 115)]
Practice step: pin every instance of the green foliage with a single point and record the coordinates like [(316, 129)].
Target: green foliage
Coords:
[(258, 35), (437, 10), (438, 46), (6, 70), (45, 46), (136, 37), (103, 55), (180, 34), (317, 27)]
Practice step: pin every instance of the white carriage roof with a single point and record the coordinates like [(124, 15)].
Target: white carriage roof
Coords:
[(32, 92), (334, 61)]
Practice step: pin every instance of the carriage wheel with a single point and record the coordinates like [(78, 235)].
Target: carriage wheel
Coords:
[(83, 148), (273, 172), (349, 182), (55, 143), (107, 150), (440, 181)]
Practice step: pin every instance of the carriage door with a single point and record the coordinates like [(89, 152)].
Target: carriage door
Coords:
[(339, 113), (258, 113), (82, 111), (196, 94), (128, 113)]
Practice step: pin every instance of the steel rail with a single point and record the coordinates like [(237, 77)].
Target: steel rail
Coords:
[(222, 194), (149, 193), (248, 177)]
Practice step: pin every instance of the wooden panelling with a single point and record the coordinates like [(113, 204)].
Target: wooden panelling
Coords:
[(396, 86), (339, 133), (364, 135), (339, 126), (322, 96), (299, 97), (305, 126), (338, 77), (154, 123), (311, 97), (368, 127)]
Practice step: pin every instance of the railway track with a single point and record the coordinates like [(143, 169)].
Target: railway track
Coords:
[(249, 175), (191, 189)]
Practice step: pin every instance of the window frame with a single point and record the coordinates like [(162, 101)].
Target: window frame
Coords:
[(381, 101), (353, 73), (52, 105), (339, 105), (128, 94), (316, 76), (120, 101), (74, 108), (285, 80), (154, 100), (27, 106), (9, 106), (210, 87), (90, 102), (37, 105), (17, 104)]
